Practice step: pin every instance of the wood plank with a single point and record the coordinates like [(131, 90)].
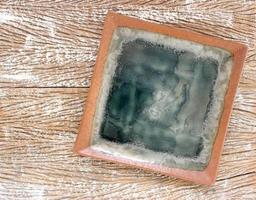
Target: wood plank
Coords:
[(55, 44), (37, 132), (31, 106)]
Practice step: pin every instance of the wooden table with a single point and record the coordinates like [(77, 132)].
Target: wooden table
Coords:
[(47, 54)]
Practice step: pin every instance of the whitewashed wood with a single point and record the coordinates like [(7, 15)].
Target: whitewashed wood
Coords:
[(53, 45)]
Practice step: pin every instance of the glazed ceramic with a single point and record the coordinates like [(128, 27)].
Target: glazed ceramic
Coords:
[(160, 98)]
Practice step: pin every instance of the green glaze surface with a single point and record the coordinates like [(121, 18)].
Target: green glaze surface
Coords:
[(151, 105), (161, 99)]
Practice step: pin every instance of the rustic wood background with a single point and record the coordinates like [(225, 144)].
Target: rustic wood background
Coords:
[(47, 54)]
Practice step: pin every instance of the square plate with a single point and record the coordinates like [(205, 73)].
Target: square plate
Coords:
[(160, 98)]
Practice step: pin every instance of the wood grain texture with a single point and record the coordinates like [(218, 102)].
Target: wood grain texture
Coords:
[(47, 53)]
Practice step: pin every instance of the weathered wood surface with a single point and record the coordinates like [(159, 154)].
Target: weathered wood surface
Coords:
[(47, 53)]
